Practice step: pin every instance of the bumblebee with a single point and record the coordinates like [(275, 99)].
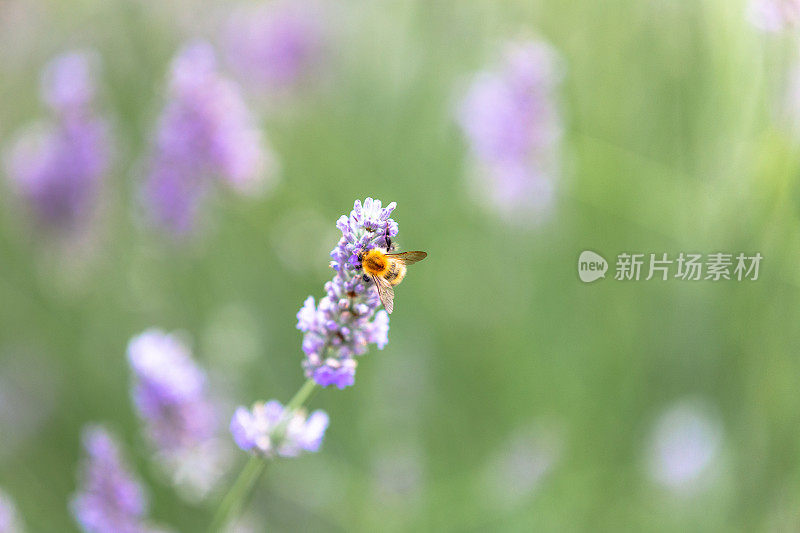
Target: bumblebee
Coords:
[(387, 270)]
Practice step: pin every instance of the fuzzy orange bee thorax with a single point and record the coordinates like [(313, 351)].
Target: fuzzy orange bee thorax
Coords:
[(375, 262)]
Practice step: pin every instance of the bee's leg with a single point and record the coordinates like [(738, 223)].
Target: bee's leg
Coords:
[(365, 278), (388, 243)]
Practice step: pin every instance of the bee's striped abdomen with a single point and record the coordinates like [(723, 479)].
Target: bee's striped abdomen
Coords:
[(397, 272)]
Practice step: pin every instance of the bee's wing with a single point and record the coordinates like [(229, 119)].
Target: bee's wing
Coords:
[(385, 292), (408, 258)]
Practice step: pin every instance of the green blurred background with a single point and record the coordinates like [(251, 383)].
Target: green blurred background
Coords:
[(511, 396)]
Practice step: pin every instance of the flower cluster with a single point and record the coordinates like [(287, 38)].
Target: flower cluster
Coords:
[(774, 15), (171, 397), (8, 515), (347, 319), (276, 45), (205, 134), (57, 166), (510, 120), (268, 429), (110, 499), (170, 391)]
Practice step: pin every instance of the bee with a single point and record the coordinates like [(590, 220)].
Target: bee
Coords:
[(387, 270)]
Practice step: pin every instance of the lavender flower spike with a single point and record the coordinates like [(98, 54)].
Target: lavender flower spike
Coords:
[(510, 120), (268, 430), (110, 499), (170, 392), (277, 44), (8, 515), (206, 135), (347, 319), (171, 396), (57, 166)]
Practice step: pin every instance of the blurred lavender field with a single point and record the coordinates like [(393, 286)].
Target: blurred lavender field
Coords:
[(171, 176)]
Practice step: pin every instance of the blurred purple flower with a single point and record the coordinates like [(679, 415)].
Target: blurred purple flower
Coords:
[(276, 44), (171, 396), (774, 15), (268, 429), (68, 82), (685, 441), (205, 134), (347, 319), (510, 120), (9, 522), (57, 166), (110, 499), (170, 392)]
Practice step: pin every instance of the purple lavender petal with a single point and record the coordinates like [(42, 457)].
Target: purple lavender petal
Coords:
[(243, 429), (314, 431), (378, 332)]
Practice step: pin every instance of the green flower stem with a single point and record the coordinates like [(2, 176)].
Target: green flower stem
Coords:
[(239, 494), (302, 396)]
